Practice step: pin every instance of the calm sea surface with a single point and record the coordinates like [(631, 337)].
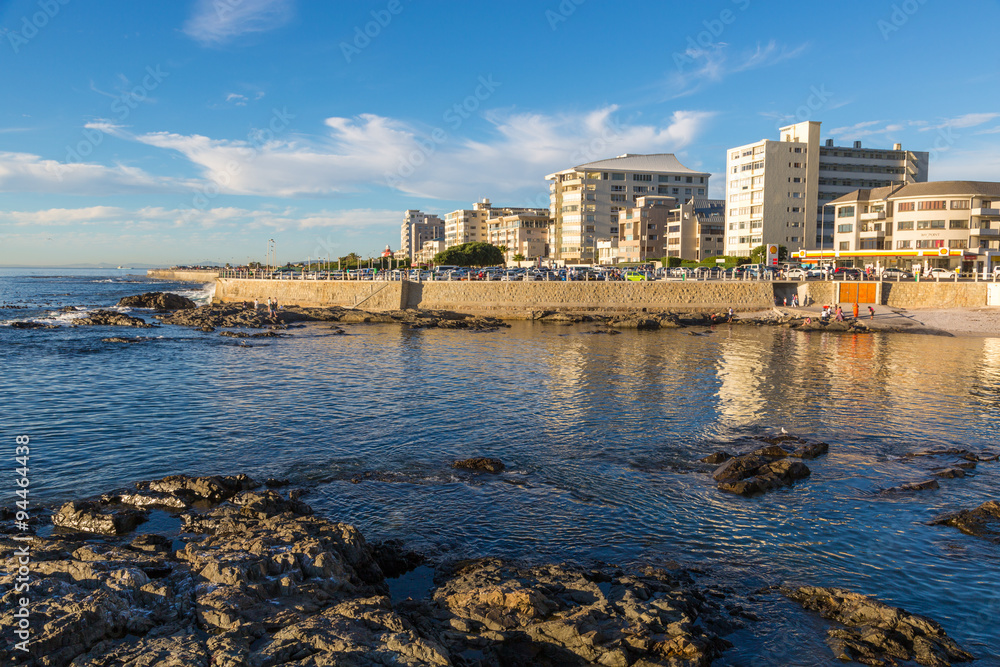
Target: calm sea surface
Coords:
[(600, 434)]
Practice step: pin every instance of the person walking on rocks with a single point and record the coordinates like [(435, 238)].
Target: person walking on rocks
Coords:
[(871, 313), (840, 314), (730, 320), (855, 310)]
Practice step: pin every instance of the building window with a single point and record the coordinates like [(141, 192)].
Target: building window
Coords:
[(959, 203), (958, 224), (845, 245), (701, 191), (662, 178), (617, 177), (958, 244), (905, 206), (642, 177), (930, 224), (845, 212), (674, 229), (929, 243), (904, 225), (902, 245), (618, 188), (934, 205), (617, 197), (639, 189), (845, 229), (690, 179)]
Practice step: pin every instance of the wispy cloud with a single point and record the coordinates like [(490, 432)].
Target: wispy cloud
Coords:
[(24, 172), (217, 22), (866, 128), (961, 122), (715, 62)]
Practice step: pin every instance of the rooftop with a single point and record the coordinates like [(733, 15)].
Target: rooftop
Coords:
[(930, 189), (657, 162)]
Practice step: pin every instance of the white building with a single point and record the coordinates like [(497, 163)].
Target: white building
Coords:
[(417, 228), (776, 189), (584, 201)]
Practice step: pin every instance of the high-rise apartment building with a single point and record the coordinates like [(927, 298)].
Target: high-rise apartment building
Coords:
[(585, 201), (417, 228), (777, 190)]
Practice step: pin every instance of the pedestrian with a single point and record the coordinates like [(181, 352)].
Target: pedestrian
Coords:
[(256, 304), (871, 313), (730, 314), (855, 310), (840, 314), (786, 302), (795, 300)]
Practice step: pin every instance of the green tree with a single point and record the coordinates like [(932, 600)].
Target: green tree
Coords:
[(519, 257), (759, 254), (470, 254)]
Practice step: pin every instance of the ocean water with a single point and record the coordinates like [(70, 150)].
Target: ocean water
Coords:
[(600, 435)]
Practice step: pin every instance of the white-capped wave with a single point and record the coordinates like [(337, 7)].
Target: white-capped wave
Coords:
[(200, 295)]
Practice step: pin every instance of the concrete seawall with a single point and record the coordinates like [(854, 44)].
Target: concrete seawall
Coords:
[(509, 299), (522, 299), (191, 276)]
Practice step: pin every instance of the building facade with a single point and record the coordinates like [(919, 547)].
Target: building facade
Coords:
[(948, 224), (524, 233), (696, 230), (778, 191), (417, 228), (585, 201), (642, 229)]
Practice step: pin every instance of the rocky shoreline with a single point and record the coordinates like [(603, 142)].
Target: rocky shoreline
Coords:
[(253, 577)]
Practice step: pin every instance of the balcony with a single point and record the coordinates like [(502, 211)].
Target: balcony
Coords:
[(876, 215), (985, 232), (986, 212)]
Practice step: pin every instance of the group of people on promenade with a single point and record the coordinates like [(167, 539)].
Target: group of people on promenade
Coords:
[(838, 313)]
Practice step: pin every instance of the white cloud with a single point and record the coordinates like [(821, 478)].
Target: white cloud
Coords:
[(961, 122), (237, 99), (24, 172), (216, 22), (165, 219), (866, 128), (357, 153)]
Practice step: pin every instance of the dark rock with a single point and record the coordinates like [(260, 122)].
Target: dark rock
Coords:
[(273, 483), (480, 465), (206, 329), (984, 521), (194, 489), (909, 487), (716, 458), (119, 339), (394, 559), (32, 325), (110, 318), (91, 517), (158, 301), (234, 334), (753, 473), (950, 473), (771, 451), (151, 543), (810, 450), (876, 633), (739, 467)]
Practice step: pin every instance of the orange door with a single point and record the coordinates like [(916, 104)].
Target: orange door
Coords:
[(848, 292)]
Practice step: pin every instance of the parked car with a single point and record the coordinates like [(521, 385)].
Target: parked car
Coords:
[(847, 273), (942, 273), (796, 274), (896, 274)]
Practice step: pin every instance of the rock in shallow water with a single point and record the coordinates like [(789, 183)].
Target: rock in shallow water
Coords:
[(480, 464), (876, 633), (158, 300), (92, 517), (984, 521), (110, 318)]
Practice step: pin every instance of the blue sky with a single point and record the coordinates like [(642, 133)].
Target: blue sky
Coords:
[(195, 130)]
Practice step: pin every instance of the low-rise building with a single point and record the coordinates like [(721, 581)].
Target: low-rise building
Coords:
[(642, 229), (524, 233), (696, 230), (948, 224), (427, 251)]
